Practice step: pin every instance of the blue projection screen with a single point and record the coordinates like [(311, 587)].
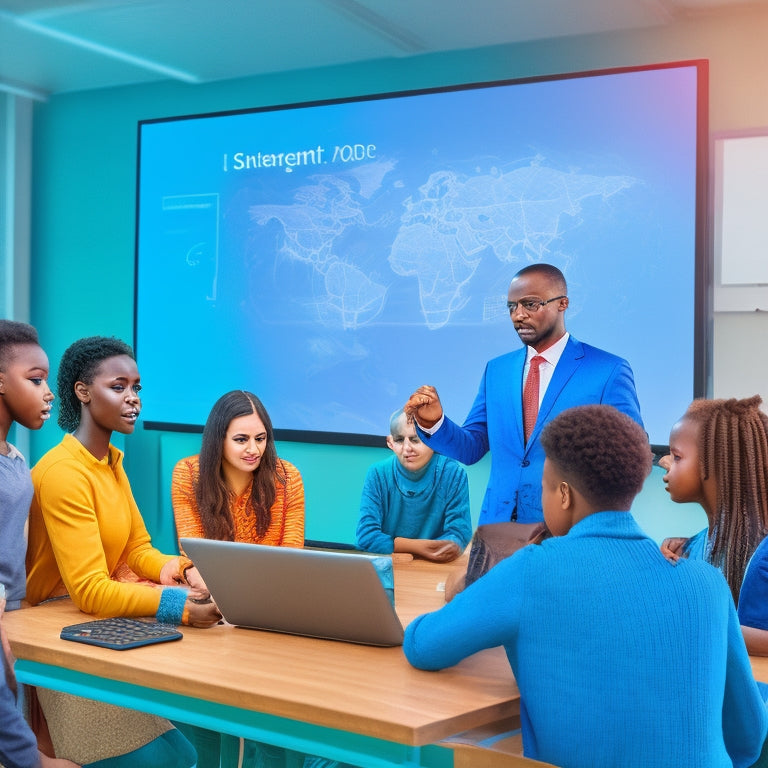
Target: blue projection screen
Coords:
[(332, 257)]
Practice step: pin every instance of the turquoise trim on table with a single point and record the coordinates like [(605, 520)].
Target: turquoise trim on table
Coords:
[(346, 747)]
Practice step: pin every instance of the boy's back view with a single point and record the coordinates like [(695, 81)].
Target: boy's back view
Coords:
[(622, 657)]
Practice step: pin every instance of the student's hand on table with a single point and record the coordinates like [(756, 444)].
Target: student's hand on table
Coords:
[(443, 551), (202, 615), (437, 550), (665, 462), (424, 405), (672, 548)]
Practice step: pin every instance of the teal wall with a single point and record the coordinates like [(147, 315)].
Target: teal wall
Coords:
[(83, 217)]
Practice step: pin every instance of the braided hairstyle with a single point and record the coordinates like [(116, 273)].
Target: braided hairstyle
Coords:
[(80, 362), (733, 449)]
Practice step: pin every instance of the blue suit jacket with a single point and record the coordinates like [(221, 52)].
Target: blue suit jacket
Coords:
[(584, 375)]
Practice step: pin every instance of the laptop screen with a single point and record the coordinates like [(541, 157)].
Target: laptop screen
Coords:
[(333, 595)]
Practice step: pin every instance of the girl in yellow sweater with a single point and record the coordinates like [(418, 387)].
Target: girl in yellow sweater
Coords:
[(84, 526)]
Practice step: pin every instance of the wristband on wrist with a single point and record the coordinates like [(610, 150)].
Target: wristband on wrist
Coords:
[(171, 608)]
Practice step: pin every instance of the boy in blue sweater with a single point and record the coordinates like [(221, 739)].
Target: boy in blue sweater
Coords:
[(415, 501), (621, 657)]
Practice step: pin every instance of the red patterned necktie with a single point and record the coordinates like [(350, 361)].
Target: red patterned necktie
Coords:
[(531, 396)]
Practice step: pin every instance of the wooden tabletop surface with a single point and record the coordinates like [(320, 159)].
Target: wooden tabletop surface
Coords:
[(356, 688), (361, 689)]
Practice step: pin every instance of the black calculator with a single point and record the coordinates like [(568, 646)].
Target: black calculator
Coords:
[(121, 633)]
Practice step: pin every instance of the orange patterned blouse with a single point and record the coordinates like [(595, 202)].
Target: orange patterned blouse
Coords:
[(286, 528)]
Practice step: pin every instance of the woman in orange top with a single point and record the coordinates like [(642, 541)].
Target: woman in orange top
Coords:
[(237, 489)]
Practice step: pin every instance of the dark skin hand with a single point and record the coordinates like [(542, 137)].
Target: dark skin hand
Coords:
[(201, 610), (169, 574), (424, 406), (202, 614), (672, 548)]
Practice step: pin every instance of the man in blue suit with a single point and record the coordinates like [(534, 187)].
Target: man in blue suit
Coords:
[(571, 373)]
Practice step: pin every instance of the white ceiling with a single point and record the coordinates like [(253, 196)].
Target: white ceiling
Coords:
[(53, 46)]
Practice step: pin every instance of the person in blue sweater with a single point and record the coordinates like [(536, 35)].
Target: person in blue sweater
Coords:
[(415, 501), (600, 628), (753, 605)]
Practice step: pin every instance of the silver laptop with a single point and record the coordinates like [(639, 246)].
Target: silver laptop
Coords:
[(333, 595)]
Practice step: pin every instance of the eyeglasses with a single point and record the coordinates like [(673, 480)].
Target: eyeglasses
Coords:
[(530, 305)]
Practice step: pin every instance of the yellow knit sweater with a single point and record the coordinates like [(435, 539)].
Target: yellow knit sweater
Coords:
[(83, 524)]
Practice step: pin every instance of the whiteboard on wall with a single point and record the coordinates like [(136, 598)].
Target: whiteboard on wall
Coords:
[(740, 221), (331, 256)]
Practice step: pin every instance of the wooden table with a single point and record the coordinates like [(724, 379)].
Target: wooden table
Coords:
[(357, 704)]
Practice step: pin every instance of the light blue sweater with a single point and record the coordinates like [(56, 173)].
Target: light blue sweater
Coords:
[(622, 659), (432, 503)]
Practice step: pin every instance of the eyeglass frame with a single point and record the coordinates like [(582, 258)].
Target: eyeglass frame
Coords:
[(536, 304)]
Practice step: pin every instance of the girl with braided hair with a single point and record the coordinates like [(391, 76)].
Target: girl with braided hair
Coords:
[(718, 458)]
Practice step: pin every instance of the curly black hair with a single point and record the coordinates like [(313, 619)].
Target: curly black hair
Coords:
[(602, 452), (80, 362), (14, 334)]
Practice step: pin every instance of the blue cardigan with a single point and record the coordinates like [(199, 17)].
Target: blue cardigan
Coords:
[(584, 375), (621, 658)]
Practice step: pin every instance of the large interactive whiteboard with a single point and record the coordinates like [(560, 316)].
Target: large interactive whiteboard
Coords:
[(333, 256)]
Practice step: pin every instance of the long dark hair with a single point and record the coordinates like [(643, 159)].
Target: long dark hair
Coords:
[(212, 493)]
